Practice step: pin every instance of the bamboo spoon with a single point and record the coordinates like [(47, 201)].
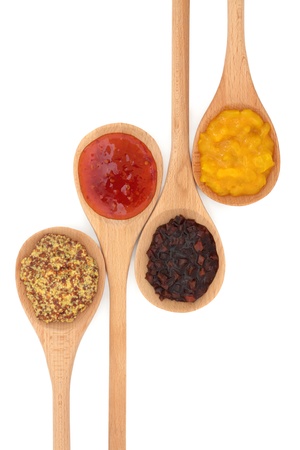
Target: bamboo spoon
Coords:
[(180, 194), (236, 91), (60, 341), (117, 239)]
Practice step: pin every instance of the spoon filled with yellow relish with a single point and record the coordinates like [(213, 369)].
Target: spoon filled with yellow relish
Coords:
[(236, 159)]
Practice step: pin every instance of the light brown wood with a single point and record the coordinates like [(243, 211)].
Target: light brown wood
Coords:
[(60, 341), (117, 239), (236, 91), (180, 194)]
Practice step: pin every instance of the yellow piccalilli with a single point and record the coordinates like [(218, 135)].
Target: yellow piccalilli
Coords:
[(236, 153)]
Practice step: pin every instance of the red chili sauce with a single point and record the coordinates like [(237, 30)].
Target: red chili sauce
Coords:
[(117, 175)]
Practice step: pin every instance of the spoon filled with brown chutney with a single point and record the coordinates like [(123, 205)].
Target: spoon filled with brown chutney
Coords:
[(118, 173), (180, 262), (60, 276)]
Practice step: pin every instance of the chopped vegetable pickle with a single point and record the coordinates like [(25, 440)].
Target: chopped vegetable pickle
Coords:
[(236, 153)]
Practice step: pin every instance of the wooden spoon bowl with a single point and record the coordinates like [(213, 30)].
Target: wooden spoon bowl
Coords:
[(236, 91), (59, 340), (180, 194), (117, 239)]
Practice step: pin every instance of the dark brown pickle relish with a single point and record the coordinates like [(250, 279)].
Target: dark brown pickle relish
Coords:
[(183, 260)]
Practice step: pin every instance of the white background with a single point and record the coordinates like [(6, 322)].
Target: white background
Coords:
[(223, 377)]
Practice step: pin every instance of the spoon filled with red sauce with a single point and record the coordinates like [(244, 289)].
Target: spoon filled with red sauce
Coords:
[(118, 174)]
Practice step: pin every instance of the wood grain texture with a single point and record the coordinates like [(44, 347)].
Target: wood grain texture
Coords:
[(60, 341), (117, 239), (180, 194), (235, 91)]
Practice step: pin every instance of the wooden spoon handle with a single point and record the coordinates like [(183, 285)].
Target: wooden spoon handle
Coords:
[(117, 363), (117, 271), (180, 86), (236, 67), (236, 34), (61, 412), (60, 350)]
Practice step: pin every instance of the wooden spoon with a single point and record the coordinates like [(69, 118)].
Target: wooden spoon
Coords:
[(117, 239), (180, 194), (61, 340), (236, 91)]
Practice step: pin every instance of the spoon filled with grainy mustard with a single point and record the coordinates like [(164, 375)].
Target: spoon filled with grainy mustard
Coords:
[(60, 276)]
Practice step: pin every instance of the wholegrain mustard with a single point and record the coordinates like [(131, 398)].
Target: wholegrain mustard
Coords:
[(60, 278)]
